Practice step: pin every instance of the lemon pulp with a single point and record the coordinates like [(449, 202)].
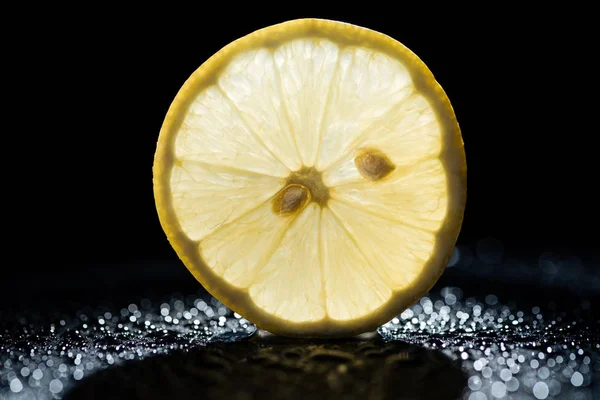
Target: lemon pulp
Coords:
[(311, 176)]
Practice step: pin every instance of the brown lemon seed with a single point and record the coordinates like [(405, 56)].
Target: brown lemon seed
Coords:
[(291, 199), (373, 165)]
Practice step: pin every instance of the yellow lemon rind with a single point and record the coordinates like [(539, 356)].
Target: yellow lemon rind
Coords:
[(452, 156)]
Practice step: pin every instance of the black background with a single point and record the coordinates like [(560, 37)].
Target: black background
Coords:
[(520, 86)]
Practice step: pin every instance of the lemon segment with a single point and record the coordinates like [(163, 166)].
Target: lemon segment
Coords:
[(312, 177), (352, 286), (194, 183), (214, 132), (414, 195), (251, 83), (290, 286), (408, 134), (365, 88), (238, 251), (402, 261), (306, 68)]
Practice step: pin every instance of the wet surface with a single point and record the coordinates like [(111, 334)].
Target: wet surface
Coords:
[(506, 351), (536, 335), (284, 369), (44, 358), (447, 345)]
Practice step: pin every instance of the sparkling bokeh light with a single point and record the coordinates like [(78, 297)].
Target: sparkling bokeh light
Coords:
[(506, 351), (42, 361)]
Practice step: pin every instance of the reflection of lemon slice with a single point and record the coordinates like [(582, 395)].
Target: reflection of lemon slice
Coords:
[(311, 176)]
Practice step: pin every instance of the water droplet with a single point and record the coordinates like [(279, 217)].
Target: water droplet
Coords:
[(16, 385), (543, 373), (487, 372), (505, 374), (37, 374), (512, 385), (474, 382), (577, 379), (554, 387), (77, 374), (56, 386), (540, 390), (477, 396), (498, 389)]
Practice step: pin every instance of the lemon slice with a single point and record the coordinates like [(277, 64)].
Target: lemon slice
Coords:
[(312, 176)]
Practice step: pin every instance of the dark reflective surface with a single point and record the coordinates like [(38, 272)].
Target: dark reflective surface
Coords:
[(282, 368)]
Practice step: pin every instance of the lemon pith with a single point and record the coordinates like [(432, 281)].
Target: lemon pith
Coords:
[(312, 176)]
